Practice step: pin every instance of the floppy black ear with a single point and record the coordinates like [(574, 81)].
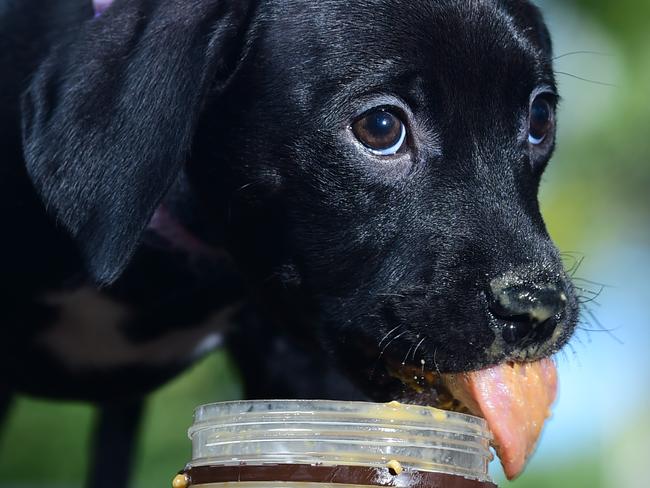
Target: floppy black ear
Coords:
[(110, 116)]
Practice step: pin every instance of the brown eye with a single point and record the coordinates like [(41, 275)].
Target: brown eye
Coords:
[(540, 122), (380, 131)]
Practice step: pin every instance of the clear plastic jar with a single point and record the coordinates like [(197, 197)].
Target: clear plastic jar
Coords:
[(312, 444)]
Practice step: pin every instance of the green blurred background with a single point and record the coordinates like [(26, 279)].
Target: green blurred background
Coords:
[(596, 200)]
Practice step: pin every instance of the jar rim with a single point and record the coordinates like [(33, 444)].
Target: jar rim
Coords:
[(220, 411), (331, 432)]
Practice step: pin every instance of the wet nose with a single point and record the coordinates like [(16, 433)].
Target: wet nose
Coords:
[(528, 310)]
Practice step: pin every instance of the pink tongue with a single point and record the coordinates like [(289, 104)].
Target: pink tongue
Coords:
[(515, 400)]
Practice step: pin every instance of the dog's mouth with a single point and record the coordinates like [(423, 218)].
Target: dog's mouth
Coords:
[(514, 399)]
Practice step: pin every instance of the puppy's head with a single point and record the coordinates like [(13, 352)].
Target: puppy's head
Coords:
[(378, 161), (385, 159)]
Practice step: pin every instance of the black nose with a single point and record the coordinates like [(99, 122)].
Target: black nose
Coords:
[(529, 310)]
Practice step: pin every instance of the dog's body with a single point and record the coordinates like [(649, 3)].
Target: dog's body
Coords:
[(191, 156)]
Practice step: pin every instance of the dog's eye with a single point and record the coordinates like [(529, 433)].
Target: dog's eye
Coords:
[(541, 121), (381, 131)]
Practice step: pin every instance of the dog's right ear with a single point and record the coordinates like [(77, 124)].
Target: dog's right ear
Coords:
[(109, 117)]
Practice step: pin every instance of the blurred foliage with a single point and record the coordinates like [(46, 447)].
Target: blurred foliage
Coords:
[(582, 472), (627, 19), (597, 184), (39, 432)]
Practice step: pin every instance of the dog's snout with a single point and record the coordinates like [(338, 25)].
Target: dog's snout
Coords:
[(529, 310)]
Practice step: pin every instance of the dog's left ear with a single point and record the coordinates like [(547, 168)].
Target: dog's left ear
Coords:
[(110, 116)]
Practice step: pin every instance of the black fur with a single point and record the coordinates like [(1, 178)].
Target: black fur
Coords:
[(236, 116)]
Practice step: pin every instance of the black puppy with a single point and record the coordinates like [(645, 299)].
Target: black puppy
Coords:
[(366, 171)]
